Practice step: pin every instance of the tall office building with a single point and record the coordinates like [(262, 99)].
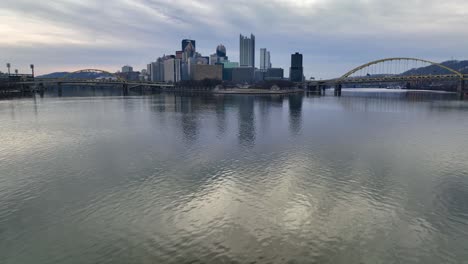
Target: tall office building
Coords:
[(172, 70), (296, 72), (265, 62), (185, 42), (247, 51)]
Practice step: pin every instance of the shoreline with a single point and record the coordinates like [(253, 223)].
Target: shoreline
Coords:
[(257, 91)]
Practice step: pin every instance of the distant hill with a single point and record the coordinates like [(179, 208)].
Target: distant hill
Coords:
[(81, 75), (53, 75), (461, 66)]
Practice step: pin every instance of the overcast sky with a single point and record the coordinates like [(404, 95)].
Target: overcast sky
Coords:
[(333, 35)]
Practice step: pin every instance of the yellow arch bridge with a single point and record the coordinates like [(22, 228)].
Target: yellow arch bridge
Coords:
[(394, 70)]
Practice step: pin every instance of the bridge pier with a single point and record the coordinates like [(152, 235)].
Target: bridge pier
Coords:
[(59, 89), (461, 89), (125, 89), (338, 88)]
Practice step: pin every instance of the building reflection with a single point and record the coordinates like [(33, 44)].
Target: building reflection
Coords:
[(189, 122), (220, 115), (246, 119), (295, 113)]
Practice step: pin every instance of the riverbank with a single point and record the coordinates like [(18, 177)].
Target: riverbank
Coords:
[(257, 91)]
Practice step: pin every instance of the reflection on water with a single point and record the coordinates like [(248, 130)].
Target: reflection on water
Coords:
[(169, 178)]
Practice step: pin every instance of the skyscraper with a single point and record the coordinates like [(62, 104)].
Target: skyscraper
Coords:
[(189, 50), (247, 51), (296, 73), (185, 42), (265, 62)]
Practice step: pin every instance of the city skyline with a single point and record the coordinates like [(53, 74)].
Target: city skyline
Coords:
[(333, 36)]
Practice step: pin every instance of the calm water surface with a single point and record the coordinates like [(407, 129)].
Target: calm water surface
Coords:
[(233, 179)]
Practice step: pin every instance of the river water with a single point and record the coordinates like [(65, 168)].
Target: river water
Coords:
[(170, 178)]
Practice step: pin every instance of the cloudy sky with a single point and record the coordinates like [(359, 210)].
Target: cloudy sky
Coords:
[(333, 35)]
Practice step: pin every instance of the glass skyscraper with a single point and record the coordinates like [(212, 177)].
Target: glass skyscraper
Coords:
[(247, 51), (185, 42)]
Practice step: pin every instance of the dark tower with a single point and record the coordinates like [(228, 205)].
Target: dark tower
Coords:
[(296, 73), (185, 42)]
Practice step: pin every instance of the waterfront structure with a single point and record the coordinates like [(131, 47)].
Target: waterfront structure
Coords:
[(172, 70), (274, 74), (127, 68), (265, 62), (247, 51), (203, 71), (243, 75), (296, 72)]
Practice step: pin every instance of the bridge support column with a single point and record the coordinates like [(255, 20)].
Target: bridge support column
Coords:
[(125, 89), (461, 89), (338, 88), (59, 89)]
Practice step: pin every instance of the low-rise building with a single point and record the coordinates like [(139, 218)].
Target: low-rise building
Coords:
[(274, 74), (259, 75), (203, 71), (243, 75)]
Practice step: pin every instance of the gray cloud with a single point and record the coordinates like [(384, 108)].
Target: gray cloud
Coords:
[(334, 35)]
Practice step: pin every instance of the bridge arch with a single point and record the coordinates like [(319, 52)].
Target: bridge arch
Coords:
[(67, 76), (351, 72)]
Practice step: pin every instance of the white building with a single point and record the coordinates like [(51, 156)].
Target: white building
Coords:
[(172, 70), (265, 62)]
